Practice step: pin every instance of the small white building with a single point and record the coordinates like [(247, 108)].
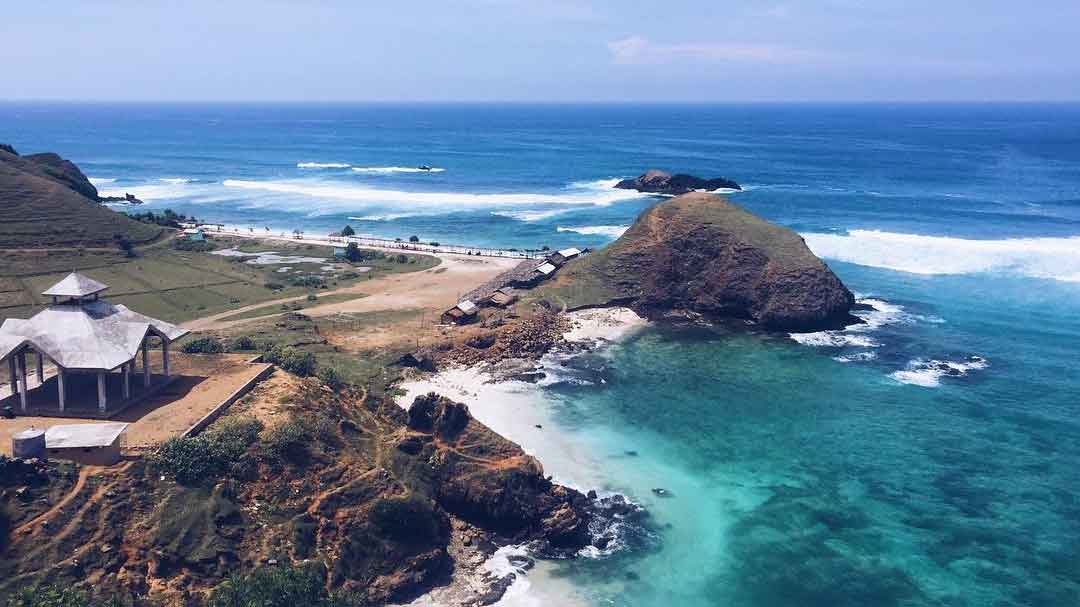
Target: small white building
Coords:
[(92, 444), (461, 313), (563, 256)]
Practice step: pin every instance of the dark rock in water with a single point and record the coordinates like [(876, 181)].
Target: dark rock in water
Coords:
[(631, 453), (660, 491), (700, 254), (126, 198), (630, 575), (655, 181)]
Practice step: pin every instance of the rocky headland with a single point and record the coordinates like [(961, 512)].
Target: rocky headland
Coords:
[(699, 254), (45, 200), (655, 181)]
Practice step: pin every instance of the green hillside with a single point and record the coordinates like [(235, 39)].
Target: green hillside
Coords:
[(40, 207)]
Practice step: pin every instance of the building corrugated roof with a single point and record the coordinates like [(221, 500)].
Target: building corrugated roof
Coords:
[(75, 436), (75, 285), (545, 268), (96, 335), (467, 307), (571, 252)]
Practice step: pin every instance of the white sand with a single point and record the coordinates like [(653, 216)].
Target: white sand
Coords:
[(603, 325)]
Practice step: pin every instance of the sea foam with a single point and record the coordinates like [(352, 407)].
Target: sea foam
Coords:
[(611, 231), (346, 192), (1055, 258), (323, 165), (928, 373), (386, 170)]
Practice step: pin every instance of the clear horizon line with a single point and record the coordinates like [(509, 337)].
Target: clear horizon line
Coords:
[(544, 102)]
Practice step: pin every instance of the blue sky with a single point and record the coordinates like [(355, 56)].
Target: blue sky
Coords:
[(541, 50)]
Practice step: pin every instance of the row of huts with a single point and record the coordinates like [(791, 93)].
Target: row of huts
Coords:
[(503, 291)]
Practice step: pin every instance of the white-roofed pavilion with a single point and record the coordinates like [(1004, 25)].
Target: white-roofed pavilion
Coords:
[(82, 336)]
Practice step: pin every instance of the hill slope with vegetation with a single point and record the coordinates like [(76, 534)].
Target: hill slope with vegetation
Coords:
[(699, 253), (46, 201)]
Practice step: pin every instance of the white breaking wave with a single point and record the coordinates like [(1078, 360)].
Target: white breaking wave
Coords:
[(322, 165), (1055, 258), (928, 373), (101, 180), (612, 231), (882, 313), (177, 179), (357, 193), (397, 170), (385, 217), (529, 215)]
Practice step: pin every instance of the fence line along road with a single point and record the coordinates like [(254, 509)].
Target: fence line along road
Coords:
[(387, 243)]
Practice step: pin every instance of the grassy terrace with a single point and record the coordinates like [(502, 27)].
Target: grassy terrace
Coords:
[(177, 285)]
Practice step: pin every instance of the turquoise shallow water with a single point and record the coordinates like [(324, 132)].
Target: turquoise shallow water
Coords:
[(797, 479), (930, 457)]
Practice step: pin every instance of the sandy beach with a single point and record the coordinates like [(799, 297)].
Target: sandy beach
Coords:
[(518, 411)]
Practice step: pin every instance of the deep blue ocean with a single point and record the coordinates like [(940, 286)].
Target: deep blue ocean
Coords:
[(928, 457)]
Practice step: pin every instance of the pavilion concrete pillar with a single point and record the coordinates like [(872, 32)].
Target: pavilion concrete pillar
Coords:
[(127, 381), (14, 375), (20, 364), (40, 368), (145, 364), (165, 357), (101, 402), (60, 387)]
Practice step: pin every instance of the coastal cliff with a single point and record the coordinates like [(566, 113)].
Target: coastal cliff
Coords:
[(700, 254), (387, 502), (46, 201)]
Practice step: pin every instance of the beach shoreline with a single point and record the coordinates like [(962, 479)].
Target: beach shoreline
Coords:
[(517, 411)]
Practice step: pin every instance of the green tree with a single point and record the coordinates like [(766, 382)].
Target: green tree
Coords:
[(414, 239), (348, 231)]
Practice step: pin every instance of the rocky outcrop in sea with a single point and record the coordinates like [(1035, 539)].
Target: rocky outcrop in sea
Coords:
[(655, 181)]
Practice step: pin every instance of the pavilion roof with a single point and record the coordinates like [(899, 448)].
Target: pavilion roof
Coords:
[(93, 335), (75, 285)]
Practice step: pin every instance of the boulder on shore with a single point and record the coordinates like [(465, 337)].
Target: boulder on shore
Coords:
[(699, 253), (655, 181)]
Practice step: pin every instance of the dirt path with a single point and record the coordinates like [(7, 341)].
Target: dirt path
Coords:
[(58, 506), (436, 290)]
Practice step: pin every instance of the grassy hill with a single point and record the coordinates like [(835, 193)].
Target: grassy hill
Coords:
[(45, 203), (702, 254)]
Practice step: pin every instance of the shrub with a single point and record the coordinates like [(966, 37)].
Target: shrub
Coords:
[(297, 363), (434, 243), (285, 586), (312, 297), (402, 258), (405, 519), (310, 281), (330, 377), (243, 343), (204, 345), (273, 286), (289, 441), (414, 239), (348, 231), (204, 458), (56, 596)]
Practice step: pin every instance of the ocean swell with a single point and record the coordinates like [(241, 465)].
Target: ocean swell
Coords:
[(1054, 258), (583, 195)]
